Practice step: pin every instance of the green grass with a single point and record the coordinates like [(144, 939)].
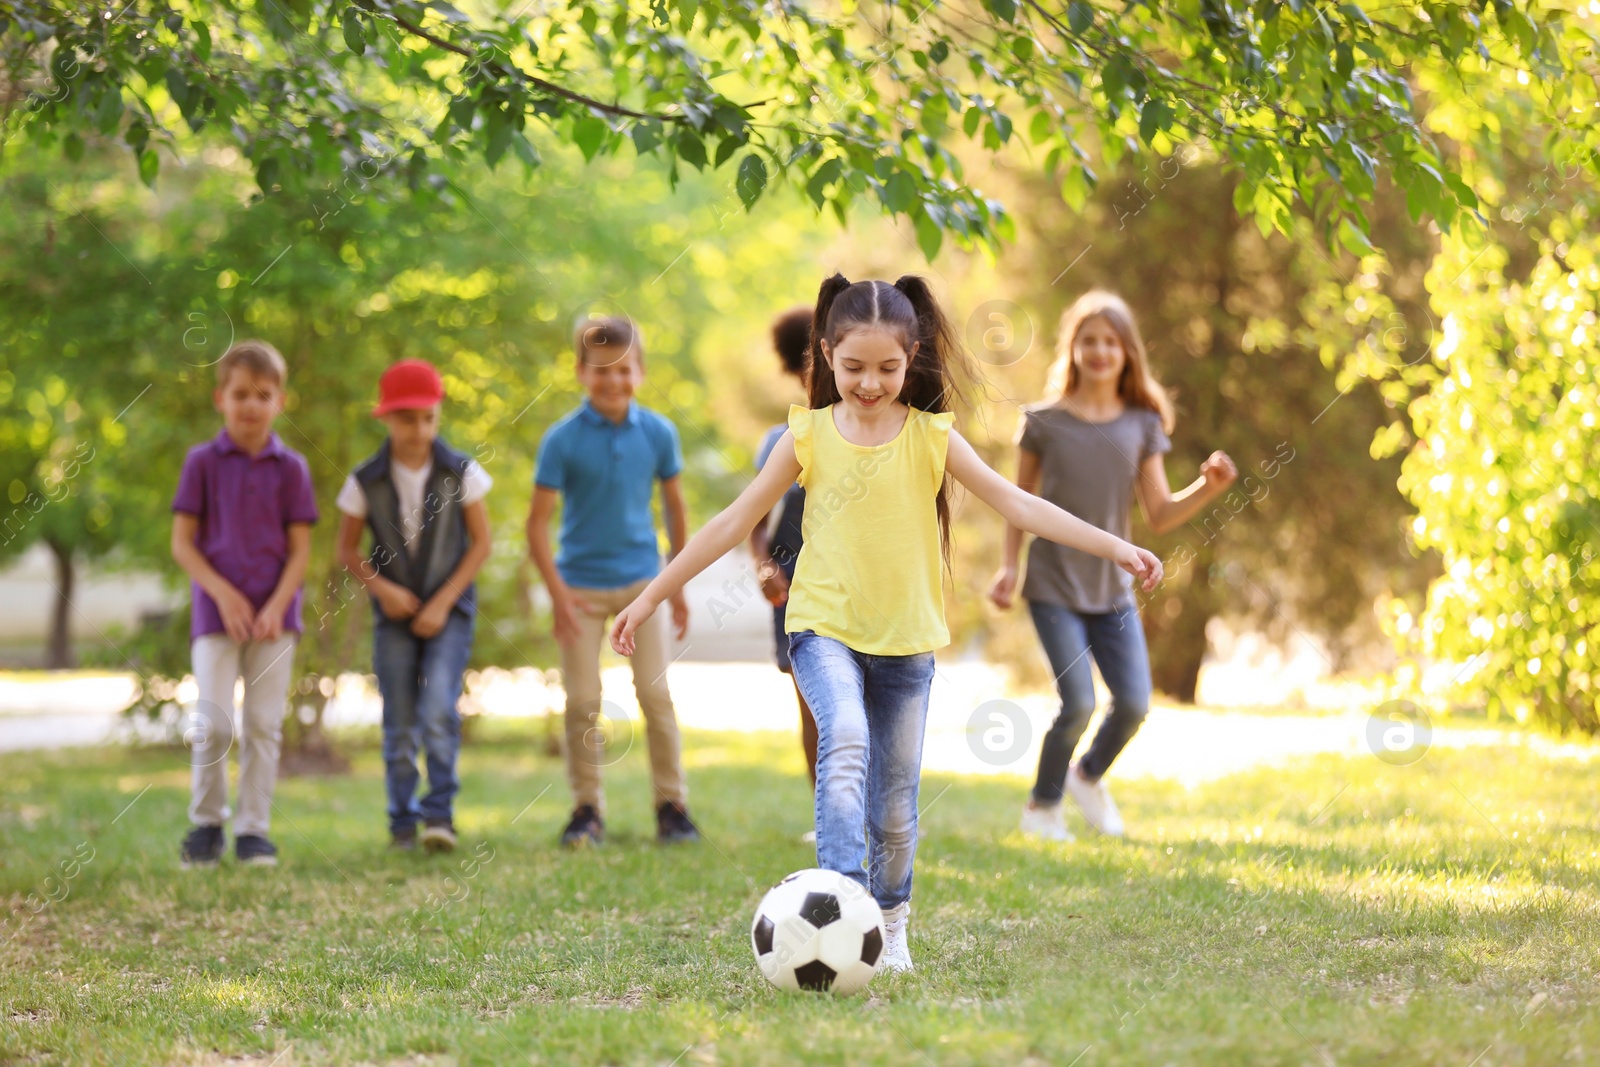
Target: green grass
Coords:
[(1345, 912)]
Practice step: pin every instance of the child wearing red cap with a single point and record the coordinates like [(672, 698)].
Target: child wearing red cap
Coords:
[(423, 503)]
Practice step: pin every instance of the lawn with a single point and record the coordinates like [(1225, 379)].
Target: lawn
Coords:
[(1342, 912)]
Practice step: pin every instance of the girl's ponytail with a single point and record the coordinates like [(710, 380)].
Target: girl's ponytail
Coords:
[(821, 389), (931, 380), (936, 377)]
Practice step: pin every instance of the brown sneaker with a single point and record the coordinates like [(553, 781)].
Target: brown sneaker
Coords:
[(438, 835)]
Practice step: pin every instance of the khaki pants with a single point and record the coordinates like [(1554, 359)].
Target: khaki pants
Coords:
[(266, 666), (580, 665)]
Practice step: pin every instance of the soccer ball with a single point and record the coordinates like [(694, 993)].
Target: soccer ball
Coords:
[(818, 930)]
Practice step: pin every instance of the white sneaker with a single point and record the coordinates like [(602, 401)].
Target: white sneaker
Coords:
[(896, 955), (1094, 801), (809, 837), (1044, 821)]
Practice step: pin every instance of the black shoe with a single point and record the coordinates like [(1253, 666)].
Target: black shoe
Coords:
[(673, 826), (403, 840), (438, 835), (253, 850), (203, 846), (586, 828)]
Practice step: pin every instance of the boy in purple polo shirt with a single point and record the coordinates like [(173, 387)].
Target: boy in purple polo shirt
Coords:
[(242, 531)]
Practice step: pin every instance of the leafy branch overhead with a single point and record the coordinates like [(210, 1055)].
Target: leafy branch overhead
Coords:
[(1311, 102)]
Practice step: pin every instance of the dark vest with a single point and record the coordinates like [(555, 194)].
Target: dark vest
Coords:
[(443, 538)]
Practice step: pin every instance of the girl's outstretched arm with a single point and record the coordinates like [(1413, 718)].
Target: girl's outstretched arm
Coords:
[(731, 526), (1165, 510), (1042, 518)]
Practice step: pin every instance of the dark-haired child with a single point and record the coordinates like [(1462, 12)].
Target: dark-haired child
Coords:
[(866, 609)]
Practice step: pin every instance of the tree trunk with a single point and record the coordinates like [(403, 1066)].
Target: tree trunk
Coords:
[(59, 655), (1177, 655), (1175, 624)]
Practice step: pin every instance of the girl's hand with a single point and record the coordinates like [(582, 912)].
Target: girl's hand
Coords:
[(680, 615), (1003, 589), (629, 619), (1218, 471), (1141, 563)]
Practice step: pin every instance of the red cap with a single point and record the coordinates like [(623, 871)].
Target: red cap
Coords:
[(411, 383)]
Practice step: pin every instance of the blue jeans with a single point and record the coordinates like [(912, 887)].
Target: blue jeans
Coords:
[(1116, 641), (420, 682), (871, 712)]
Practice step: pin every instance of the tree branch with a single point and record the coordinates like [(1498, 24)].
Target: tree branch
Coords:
[(539, 83)]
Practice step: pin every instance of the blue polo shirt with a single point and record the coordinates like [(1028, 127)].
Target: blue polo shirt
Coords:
[(606, 473)]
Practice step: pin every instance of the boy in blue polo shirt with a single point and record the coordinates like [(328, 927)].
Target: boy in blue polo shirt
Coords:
[(602, 462)]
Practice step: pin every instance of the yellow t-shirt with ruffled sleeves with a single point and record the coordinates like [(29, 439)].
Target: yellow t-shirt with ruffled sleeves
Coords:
[(870, 570)]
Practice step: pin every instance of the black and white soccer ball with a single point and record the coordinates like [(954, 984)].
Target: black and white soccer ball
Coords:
[(818, 930)]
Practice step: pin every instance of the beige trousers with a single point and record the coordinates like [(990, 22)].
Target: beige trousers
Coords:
[(266, 666), (586, 748)]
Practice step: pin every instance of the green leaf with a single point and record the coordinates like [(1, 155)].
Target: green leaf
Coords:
[(72, 147), (1353, 239), (646, 135), (1080, 16), (589, 132), (692, 150), (971, 119), (178, 89), (149, 166), (524, 149), (1463, 191), (752, 179), (1153, 117), (449, 11), (355, 37), (1040, 128), (899, 192), (499, 139), (1004, 10), (929, 235), (108, 112), (828, 171), (726, 148), (202, 41)]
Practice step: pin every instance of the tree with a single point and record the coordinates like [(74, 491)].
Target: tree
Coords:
[(115, 302), (1311, 534), (1310, 103)]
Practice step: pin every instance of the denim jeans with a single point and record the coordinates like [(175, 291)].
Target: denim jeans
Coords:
[(1116, 641), (871, 712), (420, 682)]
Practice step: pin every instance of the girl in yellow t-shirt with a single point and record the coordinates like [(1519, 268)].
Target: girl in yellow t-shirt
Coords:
[(866, 607)]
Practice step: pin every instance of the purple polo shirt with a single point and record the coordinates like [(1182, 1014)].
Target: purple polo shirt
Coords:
[(245, 504)]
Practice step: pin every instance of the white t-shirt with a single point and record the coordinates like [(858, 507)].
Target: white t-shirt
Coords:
[(410, 483)]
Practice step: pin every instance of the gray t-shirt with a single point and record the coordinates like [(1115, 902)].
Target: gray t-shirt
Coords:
[(1089, 469)]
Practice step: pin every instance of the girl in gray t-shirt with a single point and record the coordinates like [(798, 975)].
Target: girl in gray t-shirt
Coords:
[(1093, 447)]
